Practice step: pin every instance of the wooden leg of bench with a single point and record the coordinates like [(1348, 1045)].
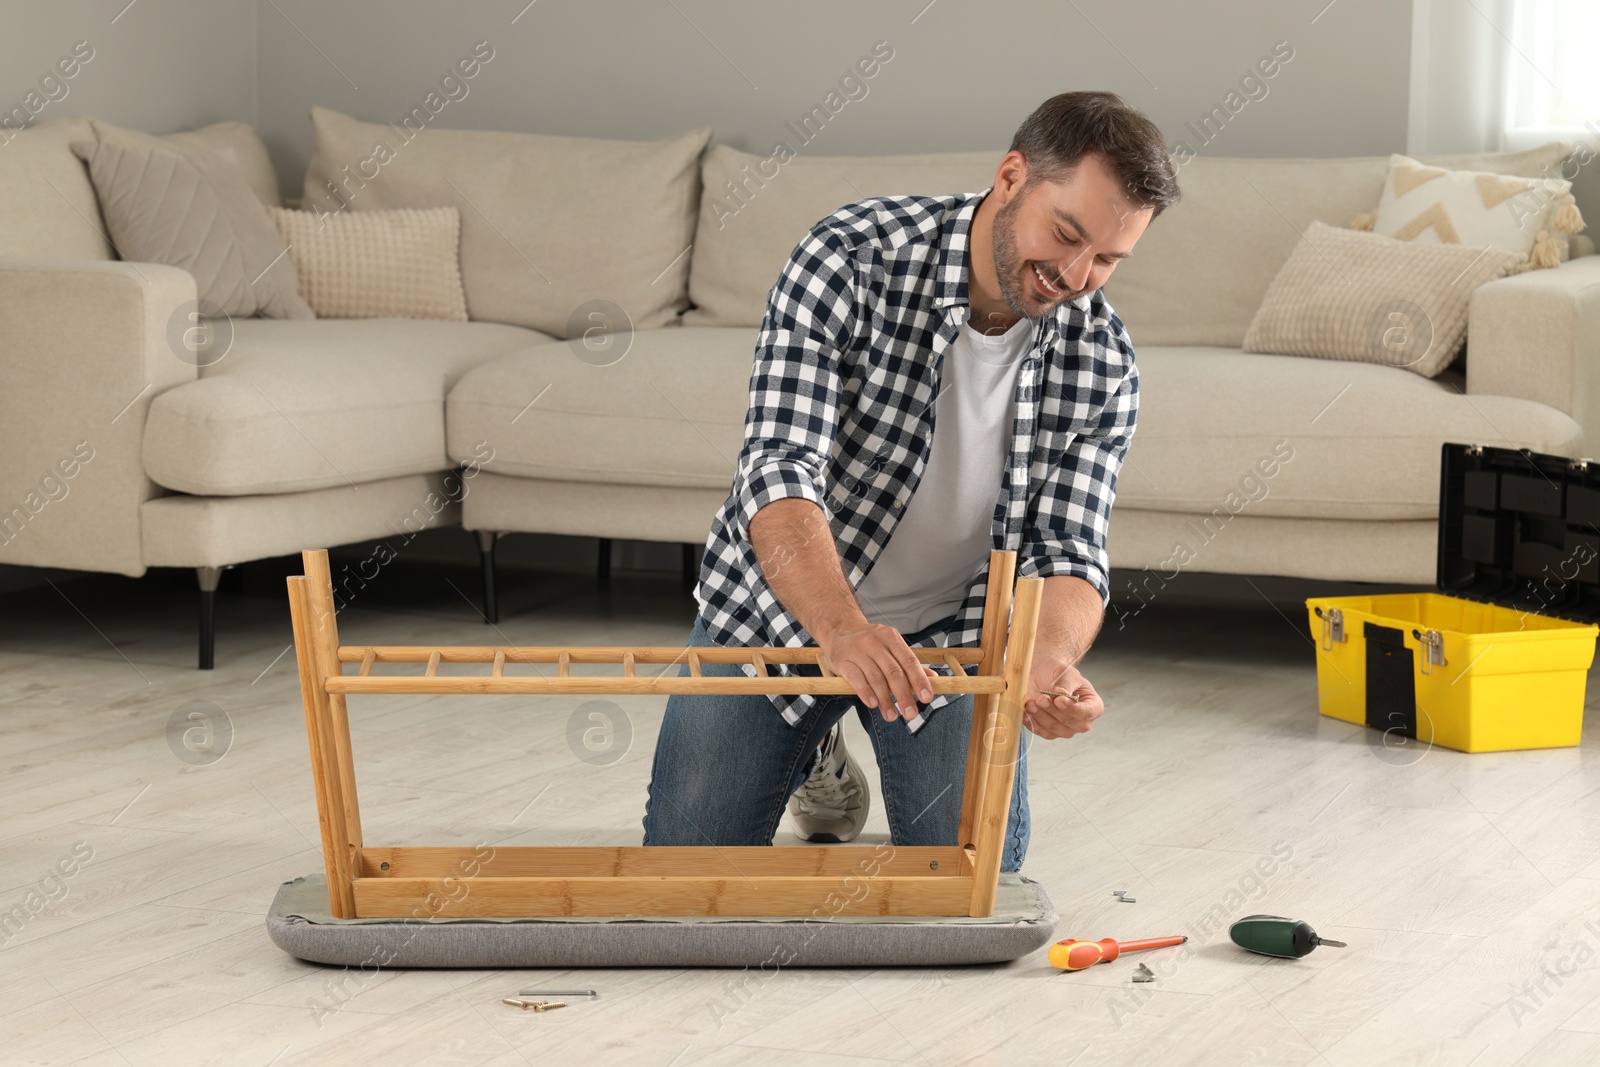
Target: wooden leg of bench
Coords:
[(996, 620), (1002, 740), (328, 730)]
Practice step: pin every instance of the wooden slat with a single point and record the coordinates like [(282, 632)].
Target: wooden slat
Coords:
[(324, 768), (564, 663), (367, 661), (733, 861), (614, 653), (1001, 743), (694, 664), (627, 663), (313, 617), (996, 618), (954, 664), (822, 665), (626, 895), (760, 665), (394, 683), (433, 664), (499, 668)]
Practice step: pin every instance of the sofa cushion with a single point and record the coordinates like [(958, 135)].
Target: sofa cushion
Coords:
[(754, 209), (239, 138), (1196, 277), (304, 404), (1199, 272), (1358, 440), (548, 224), (669, 412), (49, 209)]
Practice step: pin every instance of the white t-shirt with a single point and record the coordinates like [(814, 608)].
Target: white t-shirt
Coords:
[(942, 541)]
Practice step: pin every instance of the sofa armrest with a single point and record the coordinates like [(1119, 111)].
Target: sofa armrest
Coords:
[(85, 346), (1536, 335)]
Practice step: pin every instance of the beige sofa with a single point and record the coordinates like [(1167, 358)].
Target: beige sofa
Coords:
[(326, 432)]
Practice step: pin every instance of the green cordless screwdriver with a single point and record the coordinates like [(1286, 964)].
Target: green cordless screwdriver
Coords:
[(1273, 935)]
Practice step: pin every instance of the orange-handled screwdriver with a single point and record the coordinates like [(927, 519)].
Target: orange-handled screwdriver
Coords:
[(1075, 953)]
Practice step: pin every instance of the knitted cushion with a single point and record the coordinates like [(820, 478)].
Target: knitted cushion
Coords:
[(1345, 294), (403, 263)]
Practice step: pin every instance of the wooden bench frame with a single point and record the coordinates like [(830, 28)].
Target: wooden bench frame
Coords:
[(957, 879)]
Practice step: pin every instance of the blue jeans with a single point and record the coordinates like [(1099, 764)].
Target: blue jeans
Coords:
[(725, 767)]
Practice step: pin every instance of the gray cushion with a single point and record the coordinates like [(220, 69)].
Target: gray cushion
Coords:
[(196, 211), (1024, 920)]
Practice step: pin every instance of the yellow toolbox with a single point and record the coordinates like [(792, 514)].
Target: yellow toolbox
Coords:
[(1497, 657)]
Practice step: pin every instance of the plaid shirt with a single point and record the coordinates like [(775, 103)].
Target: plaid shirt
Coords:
[(842, 411)]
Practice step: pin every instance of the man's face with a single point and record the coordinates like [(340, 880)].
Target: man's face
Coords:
[(1068, 235)]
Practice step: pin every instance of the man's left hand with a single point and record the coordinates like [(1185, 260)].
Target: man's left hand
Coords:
[(1052, 717)]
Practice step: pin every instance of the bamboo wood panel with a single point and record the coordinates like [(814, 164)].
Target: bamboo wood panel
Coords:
[(665, 684), (616, 653), (610, 895), (734, 861)]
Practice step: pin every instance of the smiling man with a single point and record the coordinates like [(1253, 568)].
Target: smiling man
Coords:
[(935, 377)]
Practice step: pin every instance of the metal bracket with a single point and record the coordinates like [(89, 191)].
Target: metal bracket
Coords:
[(1432, 647), (1332, 627)]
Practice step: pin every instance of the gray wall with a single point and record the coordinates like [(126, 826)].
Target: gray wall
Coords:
[(963, 74), (157, 66)]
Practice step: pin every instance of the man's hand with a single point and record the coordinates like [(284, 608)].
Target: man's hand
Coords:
[(1053, 717), (878, 663)]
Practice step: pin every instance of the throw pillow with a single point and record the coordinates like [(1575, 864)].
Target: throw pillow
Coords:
[(403, 263), (1345, 294), (248, 150), (1476, 208), (195, 211)]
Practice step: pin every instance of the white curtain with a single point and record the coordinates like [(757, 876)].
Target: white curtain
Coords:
[(1502, 74)]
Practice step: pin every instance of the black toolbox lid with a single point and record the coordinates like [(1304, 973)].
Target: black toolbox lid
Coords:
[(1520, 529)]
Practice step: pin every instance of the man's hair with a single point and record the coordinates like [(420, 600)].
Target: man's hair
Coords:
[(1066, 128)]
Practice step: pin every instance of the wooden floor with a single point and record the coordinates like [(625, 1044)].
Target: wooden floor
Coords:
[(1468, 887)]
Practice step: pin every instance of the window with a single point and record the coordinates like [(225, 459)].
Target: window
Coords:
[(1554, 79)]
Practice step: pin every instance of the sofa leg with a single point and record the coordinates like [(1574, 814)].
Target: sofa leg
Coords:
[(603, 571), (691, 568), (491, 607), (208, 577)]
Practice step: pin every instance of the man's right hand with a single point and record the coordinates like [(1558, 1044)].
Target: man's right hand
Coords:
[(878, 663)]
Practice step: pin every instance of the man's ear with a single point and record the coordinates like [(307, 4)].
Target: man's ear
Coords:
[(1011, 175)]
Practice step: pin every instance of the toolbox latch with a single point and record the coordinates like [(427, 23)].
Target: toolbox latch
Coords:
[(1332, 627), (1432, 648)]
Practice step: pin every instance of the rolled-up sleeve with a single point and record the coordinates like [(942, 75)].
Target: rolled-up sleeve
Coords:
[(1065, 531), (793, 416)]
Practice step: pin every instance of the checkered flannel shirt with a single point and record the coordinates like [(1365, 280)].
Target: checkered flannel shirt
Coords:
[(842, 410)]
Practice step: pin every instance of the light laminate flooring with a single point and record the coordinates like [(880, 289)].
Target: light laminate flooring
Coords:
[(1468, 887)]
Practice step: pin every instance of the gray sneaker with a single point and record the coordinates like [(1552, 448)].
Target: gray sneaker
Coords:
[(831, 805)]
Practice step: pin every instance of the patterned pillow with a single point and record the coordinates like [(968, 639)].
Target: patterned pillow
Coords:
[(1477, 209), (196, 211), (1345, 294), (403, 263)]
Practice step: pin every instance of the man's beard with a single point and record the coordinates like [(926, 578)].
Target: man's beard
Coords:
[(1009, 268)]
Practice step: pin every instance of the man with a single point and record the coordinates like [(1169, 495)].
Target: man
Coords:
[(853, 525)]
